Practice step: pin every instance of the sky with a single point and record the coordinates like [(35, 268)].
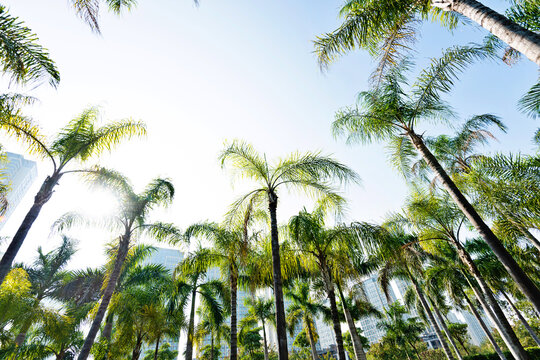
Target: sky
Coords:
[(235, 69)]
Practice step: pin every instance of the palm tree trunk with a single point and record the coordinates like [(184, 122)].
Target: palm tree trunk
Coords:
[(137, 349), (329, 285), (123, 248), (473, 310), (356, 341), (415, 349), (265, 342), (429, 314), (107, 333), (522, 319), (526, 285), (43, 195), (525, 41), (442, 323), (191, 326), (504, 327), (107, 329), (234, 335), (311, 338), (211, 345), (281, 330), (157, 348)]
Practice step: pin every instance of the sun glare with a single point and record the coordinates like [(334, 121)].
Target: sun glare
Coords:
[(97, 203)]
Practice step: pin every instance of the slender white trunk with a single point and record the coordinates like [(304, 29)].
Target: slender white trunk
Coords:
[(525, 41)]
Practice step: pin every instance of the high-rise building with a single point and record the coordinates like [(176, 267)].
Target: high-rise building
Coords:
[(20, 174), (169, 258), (378, 299)]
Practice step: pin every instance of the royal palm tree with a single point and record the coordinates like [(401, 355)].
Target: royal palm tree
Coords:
[(303, 309), (79, 141), (310, 172), (131, 221), (387, 28), (261, 310), (388, 113), (191, 280)]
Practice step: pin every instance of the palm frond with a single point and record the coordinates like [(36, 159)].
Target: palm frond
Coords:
[(22, 57), (439, 77), (245, 160), (529, 103)]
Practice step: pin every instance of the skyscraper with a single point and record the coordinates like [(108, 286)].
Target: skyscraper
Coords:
[(20, 174)]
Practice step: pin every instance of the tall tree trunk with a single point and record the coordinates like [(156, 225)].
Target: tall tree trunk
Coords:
[(522, 319), (442, 324), (265, 342), (43, 195), (525, 41), (501, 322), (234, 335), (157, 348), (490, 337), (211, 345), (359, 352), (191, 326), (311, 339), (123, 248), (526, 285), (429, 314), (329, 285), (281, 329), (107, 333), (137, 349)]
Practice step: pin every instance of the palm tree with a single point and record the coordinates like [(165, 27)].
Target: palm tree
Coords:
[(445, 274), (261, 310), (354, 308), (58, 335), (303, 309), (80, 140), (387, 28), (192, 279), (210, 324), (400, 331), (401, 258), (327, 251), (131, 221), (22, 57), (437, 219), (46, 277), (506, 189), (231, 250), (388, 113), (310, 172)]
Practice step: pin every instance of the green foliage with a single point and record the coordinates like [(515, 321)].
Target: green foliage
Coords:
[(534, 354)]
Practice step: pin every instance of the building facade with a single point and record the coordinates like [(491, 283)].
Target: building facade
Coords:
[(168, 258), (19, 173)]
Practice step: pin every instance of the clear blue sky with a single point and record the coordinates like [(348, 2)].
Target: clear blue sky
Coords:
[(228, 69)]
